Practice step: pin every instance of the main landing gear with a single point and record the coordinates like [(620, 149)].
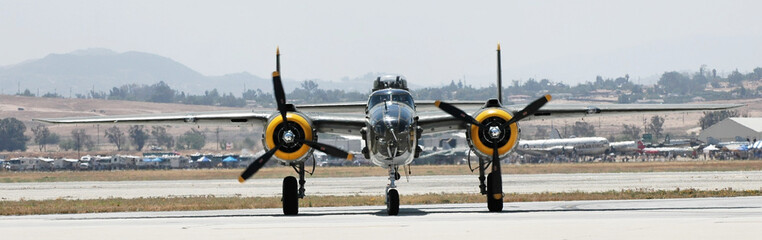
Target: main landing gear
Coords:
[(293, 191), (392, 196), (494, 187)]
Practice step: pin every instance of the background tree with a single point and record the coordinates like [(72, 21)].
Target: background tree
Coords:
[(53, 138), (631, 131), (66, 144), (12, 136), (711, 118), (138, 136), (115, 136), (583, 129), (192, 139), (655, 126), (43, 136), (162, 137), (81, 140)]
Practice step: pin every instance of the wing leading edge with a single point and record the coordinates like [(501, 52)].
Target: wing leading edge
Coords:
[(200, 118)]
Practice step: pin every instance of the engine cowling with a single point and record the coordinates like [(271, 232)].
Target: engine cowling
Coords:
[(481, 142), (288, 133)]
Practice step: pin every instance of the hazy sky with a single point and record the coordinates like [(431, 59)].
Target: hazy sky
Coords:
[(431, 42)]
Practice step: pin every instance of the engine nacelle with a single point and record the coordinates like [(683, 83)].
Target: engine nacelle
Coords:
[(298, 127), (480, 139)]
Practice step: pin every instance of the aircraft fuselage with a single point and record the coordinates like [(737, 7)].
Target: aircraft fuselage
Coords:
[(390, 134)]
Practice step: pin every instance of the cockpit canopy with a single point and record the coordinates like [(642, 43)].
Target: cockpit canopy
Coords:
[(390, 81), (393, 95)]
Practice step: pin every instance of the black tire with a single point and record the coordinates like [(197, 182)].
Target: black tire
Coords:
[(290, 196), (393, 204), (494, 205)]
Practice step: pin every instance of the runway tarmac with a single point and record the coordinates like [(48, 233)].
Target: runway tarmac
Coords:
[(707, 218), (517, 183)]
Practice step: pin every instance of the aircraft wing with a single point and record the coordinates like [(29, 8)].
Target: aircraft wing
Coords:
[(349, 107), (338, 123), (200, 118), (439, 121), (579, 110)]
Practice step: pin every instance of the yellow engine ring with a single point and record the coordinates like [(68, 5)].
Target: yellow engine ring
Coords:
[(494, 112), (271, 131)]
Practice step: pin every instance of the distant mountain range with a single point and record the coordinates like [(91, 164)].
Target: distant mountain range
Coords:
[(102, 69)]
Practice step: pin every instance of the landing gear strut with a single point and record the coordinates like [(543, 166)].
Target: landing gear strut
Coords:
[(293, 191), (392, 196)]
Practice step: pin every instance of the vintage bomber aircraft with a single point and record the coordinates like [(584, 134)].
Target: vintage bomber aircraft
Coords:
[(390, 125)]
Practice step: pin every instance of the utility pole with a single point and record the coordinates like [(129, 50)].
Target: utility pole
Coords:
[(217, 132)]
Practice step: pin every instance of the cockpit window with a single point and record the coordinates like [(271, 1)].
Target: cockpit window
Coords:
[(391, 95)]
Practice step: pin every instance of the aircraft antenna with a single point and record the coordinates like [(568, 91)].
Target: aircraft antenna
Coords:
[(499, 77)]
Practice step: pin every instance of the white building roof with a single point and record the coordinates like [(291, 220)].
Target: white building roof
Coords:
[(752, 123), (734, 128)]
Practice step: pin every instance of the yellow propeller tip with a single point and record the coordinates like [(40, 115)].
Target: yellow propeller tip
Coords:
[(498, 46), (276, 74), (350, 157), (277, 50), (240, 179), (497, 196), (548, 97), (437, 102)]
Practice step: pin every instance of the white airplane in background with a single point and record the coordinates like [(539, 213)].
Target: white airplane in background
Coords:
[(556, 145), (627, 147), (390, 125)]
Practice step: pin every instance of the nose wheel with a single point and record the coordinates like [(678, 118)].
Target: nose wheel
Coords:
[(393, 202), (392, 196)]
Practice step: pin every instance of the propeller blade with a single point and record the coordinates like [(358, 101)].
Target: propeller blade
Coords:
[(328, 149), (457, 113), (280, 95), (529, 109), (495, 155), (257, 164)]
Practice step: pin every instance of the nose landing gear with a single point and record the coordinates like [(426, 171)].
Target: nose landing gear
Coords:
[(392, 196)]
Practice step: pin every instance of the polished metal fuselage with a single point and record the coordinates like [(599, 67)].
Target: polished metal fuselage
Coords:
[(391, 136)]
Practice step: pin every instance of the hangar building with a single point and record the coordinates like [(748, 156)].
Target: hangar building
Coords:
[(732, 128)]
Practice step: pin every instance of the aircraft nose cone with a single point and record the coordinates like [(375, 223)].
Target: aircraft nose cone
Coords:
[(288, 137), (494, 132)]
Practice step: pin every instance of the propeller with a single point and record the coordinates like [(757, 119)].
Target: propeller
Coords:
[(257, 164), (529, 109), (457, 113), (280, 98), (262, 160), (280, 95), (328, 149)]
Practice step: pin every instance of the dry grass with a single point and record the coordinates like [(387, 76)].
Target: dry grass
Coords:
[(61, 206), (280, 171)]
